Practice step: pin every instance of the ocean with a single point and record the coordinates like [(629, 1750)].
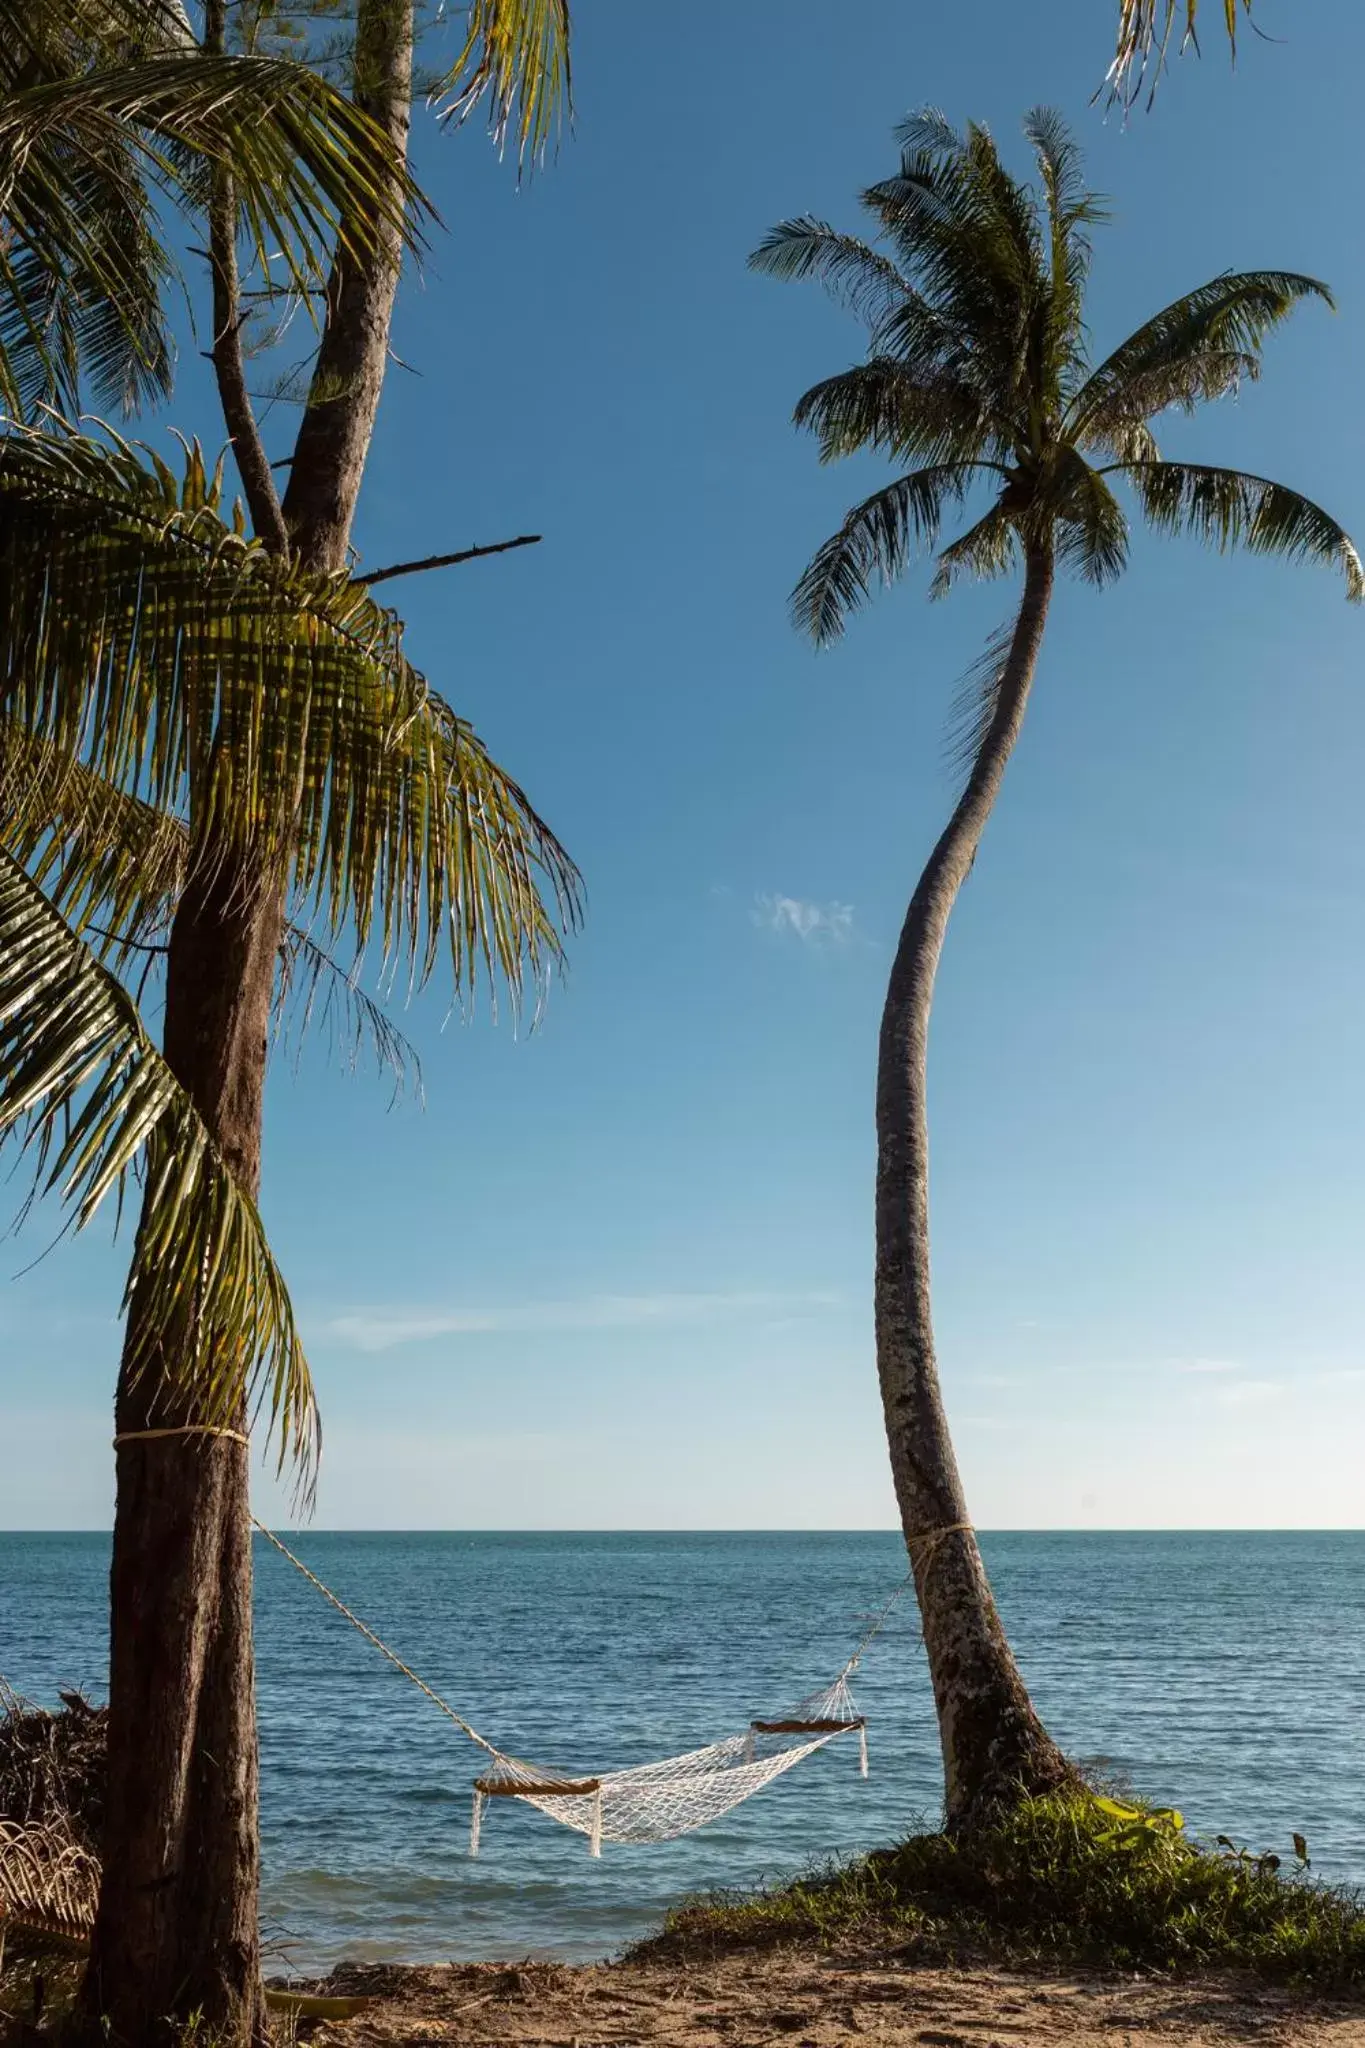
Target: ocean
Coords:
[(1221, 1673)]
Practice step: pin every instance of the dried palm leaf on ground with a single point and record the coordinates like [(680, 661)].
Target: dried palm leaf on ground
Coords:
[(49, 1882), (52, 1765)]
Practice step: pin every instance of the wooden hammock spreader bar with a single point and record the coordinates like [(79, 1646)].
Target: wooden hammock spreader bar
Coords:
[(546, 1788), (807, 1727)]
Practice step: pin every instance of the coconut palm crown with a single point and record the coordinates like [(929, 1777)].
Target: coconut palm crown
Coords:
[(978, 373)]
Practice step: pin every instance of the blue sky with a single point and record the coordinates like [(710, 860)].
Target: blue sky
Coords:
[(617, 1272)]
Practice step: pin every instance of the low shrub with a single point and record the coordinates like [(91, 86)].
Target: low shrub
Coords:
[(1070, 1878)]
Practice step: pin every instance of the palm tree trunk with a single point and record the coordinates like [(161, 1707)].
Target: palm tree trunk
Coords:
[(348, 378), (994, 1746), (177, 1930)]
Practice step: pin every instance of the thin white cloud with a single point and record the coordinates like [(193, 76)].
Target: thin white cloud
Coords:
[(813, 923), (1207, 1365), (1248, 1393), (381, 1328)]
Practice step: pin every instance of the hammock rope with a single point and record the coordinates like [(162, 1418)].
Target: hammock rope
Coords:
[(656, 1802)]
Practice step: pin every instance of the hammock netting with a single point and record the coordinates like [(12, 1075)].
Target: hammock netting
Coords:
[(659, 1801), (650, 1802)]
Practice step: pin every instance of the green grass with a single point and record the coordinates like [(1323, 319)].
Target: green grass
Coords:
[(1072, 1878)]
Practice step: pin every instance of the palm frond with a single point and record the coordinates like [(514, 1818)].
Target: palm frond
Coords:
[(1117, 423), (975, 699), (102, 856), (1205, 334), (967, 235), (1072, 208), (986, 550), (91, 1099), (1145, 29), (1229, 508), (1087, 521), (114, 868), (516, 55), (142, 633), (883, 405), (82, 260), (317, 992), (878, 538), (49, 1881), (854, 273)]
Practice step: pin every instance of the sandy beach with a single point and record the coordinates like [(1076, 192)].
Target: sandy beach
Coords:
[(817, 2002)]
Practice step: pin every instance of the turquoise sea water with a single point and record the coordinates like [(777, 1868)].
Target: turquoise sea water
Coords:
[(1224, 1673)]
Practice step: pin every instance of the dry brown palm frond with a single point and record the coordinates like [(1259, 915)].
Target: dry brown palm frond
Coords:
[(49, 1882), (52, 1764)]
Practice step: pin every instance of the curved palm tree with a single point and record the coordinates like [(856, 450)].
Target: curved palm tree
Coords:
[(978, 377)]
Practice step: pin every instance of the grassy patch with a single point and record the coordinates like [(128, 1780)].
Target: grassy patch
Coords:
[(1072, 1878)]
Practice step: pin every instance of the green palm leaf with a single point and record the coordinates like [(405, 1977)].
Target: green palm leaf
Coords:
[(987, 549), (1090, 531), (272, 710), (1228, 508), (87, 1093), (903, 413), (877, 539), (114, 868), (1197, 348), (859, 276), (87, 132), (515, 55)]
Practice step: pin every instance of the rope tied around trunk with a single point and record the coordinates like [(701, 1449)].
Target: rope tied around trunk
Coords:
[(134, 1436)]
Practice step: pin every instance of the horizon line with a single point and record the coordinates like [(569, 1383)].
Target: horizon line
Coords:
[(756, 1529)]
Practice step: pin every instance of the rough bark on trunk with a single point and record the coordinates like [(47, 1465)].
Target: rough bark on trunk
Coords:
[(334, 434), (176, 1932), (177, 1928), (994, 1745)]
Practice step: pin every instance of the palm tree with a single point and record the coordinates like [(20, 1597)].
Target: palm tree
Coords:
[(977, 375), (454, 862), (449, 848), (238, 726)]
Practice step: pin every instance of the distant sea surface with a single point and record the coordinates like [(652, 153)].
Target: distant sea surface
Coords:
[(1222, 1673)]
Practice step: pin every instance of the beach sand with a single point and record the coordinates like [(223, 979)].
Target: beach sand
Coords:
[(806, 2001)]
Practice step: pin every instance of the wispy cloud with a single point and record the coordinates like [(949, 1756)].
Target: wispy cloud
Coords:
[(1248, 1393), (814, 924), (1207, 1365), (381, 1328)]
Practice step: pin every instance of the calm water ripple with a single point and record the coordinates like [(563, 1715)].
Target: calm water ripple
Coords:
[(1223, 1673)]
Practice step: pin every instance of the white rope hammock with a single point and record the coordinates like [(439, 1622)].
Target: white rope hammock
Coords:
[(658, 1802), (653, 1802)]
